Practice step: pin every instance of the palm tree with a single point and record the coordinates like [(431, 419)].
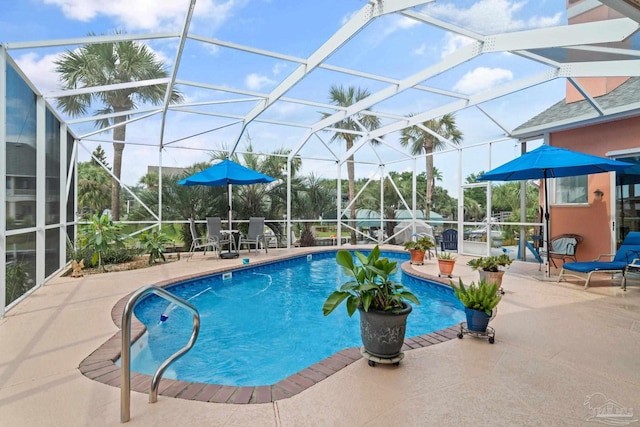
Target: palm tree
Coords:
[(344, 98), (422, 142), (104, 64)]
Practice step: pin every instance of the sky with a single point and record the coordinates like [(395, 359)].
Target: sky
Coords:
[(392, 46)]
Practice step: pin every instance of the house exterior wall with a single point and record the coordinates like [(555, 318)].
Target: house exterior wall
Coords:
[(595, 86), (593, 222)]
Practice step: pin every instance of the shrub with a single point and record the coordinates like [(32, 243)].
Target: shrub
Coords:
[(154, 243), (482, 296), (100, 237), (306, 237)]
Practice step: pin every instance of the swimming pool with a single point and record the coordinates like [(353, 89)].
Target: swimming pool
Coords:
[(265, 322)]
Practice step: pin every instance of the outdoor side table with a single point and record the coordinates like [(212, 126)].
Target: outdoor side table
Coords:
[(632, 268), (232, 242)]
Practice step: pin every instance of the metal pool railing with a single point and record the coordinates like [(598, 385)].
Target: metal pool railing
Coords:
[(125, 359)]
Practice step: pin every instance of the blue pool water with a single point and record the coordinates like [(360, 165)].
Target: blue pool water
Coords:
[(266, 323)]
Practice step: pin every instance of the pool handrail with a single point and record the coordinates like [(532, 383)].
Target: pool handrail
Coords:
[(125, 358)]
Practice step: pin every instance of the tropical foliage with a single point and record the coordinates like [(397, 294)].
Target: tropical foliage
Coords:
[(371, 286), (94, 184), (101, 235), (154, 243), (421, 141), (490, 263), (422, 244), (104, 64), (17, 280), (482, 296), (344, 97)]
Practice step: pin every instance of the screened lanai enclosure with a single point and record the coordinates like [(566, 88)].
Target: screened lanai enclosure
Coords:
[(391, 107)]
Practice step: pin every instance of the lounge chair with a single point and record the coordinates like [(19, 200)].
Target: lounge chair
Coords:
[(255, 235), (198, 242), (628, 251), (214, 227), (449, 240)]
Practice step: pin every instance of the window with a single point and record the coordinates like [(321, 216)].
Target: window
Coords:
[(569, 190)]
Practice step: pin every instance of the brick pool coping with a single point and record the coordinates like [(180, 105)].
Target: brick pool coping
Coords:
[(100, 365)]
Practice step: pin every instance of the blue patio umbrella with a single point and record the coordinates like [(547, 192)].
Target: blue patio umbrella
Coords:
[(552, 162), (226, 172)]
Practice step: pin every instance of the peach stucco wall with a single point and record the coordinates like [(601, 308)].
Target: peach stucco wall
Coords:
[(594, 221), (595, 86)]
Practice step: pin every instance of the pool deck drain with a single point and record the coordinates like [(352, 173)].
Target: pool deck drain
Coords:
[(100, 365)]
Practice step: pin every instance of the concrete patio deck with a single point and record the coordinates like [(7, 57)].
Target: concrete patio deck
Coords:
[(562, 355)]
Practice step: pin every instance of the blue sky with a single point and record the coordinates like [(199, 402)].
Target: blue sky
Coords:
[(391, 46)]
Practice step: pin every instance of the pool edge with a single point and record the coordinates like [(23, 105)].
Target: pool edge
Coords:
[(100, 364)]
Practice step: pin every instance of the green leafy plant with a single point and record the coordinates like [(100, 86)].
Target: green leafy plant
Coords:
[(101, 235), (490, 263), (17, 280), (446, 255), (154, 244), (482, 296), (422, 244), (371, 287)]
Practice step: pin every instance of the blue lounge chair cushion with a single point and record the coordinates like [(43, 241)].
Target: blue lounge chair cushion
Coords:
[(588, 266), (627, 252)]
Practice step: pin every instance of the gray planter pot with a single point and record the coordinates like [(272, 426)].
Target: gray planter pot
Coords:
[(382, 332)]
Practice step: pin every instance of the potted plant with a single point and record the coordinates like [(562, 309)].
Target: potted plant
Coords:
[(418, 248), (446, 262), (489, 267), (479, 301), (382, 303)]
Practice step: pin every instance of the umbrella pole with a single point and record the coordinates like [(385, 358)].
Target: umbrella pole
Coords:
[(229, 205), (546, 220)]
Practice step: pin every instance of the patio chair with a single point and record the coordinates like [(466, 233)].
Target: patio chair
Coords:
[(214, 227), (628, 251), (198, 242), (563, 247), (255, 235), (449, 240)]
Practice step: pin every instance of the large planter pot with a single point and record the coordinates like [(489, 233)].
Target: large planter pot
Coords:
[(492, 276), (417, 256), (477, 321), (382, 332), (446, 266)]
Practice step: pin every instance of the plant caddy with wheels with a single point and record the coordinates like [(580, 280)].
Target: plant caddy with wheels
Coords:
[(480, 302), (382, 304)]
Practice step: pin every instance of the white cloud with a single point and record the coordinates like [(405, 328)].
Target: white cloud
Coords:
[(420, 50), (398, 23), (255, 81), (147, 14), (404, 22), (453, 42), (482, 78), (279, 67), (40, 70), (491, 16)]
